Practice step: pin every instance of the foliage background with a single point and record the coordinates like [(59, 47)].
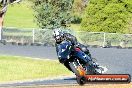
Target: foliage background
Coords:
[(52, 13), (108, 16)]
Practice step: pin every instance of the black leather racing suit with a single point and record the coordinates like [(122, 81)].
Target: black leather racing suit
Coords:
[(73, 40), (70, 39)]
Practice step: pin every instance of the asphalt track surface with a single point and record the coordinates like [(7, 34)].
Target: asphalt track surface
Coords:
[(118, 61)]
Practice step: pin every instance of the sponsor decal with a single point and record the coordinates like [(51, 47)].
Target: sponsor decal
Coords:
[(109, 78)]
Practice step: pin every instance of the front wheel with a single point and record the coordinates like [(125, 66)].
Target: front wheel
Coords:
[(74, 69), (77, 68), (81, 80)]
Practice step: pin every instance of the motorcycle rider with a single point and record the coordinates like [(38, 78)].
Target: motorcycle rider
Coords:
[(65, 40), (73, 39)]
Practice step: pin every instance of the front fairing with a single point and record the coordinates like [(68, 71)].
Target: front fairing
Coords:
[(83, 57)]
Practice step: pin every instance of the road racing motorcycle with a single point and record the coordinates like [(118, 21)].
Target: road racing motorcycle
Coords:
[(76, 62)]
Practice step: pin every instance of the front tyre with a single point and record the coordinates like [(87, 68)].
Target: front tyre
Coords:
[(81, 80), (73, 67)]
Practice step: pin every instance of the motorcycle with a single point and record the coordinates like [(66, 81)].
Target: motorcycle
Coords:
[(77, 66)]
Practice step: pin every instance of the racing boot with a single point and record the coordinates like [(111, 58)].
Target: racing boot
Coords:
[(97, 68), (92, 68)]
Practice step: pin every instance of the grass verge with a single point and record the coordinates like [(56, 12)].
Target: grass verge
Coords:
[(20, 16), (21, 68)]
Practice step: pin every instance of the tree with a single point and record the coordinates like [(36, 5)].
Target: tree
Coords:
[(52, 13), (108, 16), (77, 10)]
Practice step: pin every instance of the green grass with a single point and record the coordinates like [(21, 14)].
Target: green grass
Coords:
[(20, 16), (21, 68)]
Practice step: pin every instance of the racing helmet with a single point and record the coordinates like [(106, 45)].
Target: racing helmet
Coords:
[(58, 35)]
